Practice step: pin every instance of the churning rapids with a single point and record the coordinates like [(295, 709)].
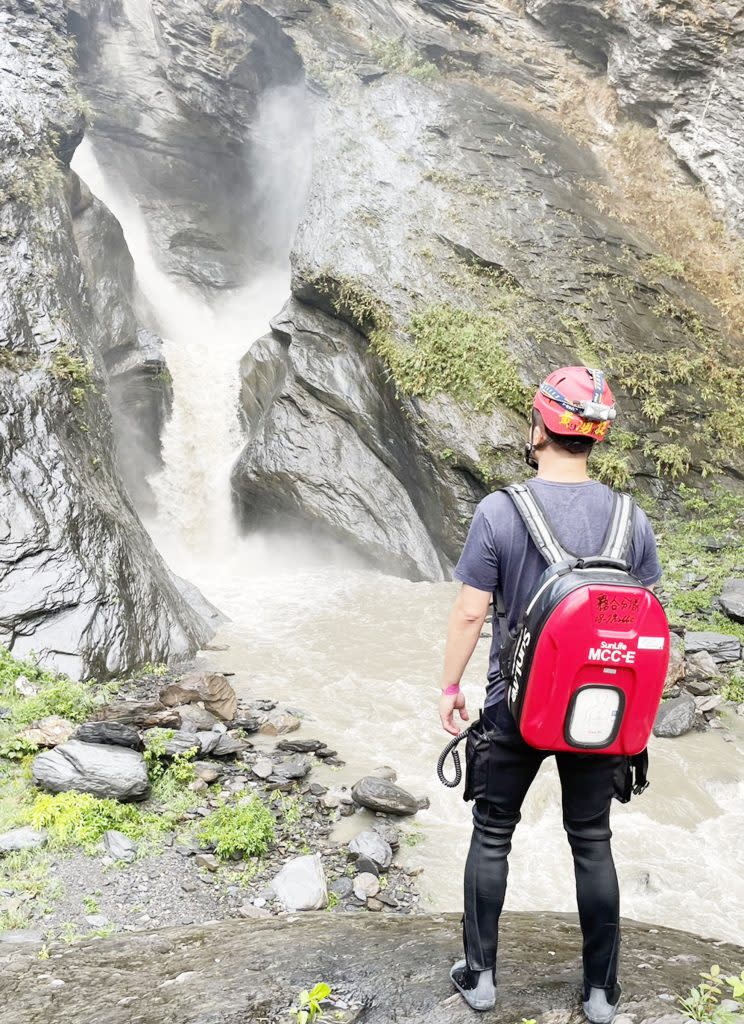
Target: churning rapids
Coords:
[(360, 652)]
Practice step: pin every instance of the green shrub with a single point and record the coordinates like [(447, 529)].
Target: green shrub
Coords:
[(62, 697), (703, 1002), (733, 689), (18, 748), (611, 468), (457, 352), (72, 369), (397, 55), (247, 828), (79, 819)]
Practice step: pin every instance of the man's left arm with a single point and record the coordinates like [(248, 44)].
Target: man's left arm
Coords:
[(465, 624)]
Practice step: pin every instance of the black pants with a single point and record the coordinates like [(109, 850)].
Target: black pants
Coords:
[(500, 770)]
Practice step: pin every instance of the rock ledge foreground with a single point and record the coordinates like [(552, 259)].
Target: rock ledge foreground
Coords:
[(383, 969)]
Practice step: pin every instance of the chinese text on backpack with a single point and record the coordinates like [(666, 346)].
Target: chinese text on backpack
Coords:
[(587, 667)]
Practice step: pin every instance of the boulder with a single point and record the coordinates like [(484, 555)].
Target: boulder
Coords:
[(721, 646), (211, 688), (675, 717), (301, 884), (381, 795), (370, 844), (49, 731), (100, 769), (119, 846), (21, 839), (278, 722), (732, 599), (141, 714), (115, 733)]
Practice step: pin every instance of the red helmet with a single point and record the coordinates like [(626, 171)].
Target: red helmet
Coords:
[(576, 401)]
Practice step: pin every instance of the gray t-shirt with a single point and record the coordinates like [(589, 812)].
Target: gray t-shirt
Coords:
[(499, 549)]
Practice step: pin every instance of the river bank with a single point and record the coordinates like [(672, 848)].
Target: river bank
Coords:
[(80, 864)]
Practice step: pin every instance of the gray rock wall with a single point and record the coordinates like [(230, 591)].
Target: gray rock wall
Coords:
[(80, 582), (682, 64)]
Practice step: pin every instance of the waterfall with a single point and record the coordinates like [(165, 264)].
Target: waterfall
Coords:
[(205, 339)]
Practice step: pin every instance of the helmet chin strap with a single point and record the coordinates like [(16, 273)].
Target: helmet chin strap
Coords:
[(530, 448)]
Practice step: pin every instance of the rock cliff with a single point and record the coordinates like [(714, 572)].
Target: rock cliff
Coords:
[(80, 582)]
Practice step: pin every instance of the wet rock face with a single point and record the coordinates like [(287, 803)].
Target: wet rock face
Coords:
[(80, 582), (138, 380), (682, 64), (175, 89), (172, 973), (329, 446)]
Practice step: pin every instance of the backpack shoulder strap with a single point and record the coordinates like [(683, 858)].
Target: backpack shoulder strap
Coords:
[(534, 518), (620, 533)]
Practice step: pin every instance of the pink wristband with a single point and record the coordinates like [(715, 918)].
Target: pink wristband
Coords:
[(452, 688)]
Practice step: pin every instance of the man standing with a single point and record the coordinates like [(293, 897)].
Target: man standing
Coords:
[(572, 410)]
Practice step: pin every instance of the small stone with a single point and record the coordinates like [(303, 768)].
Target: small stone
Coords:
[(732, 599), (296, 767), (198, 786), (342, 886), (194, 717), (25, 838), (188, 885), (707, 704), (26, 688), (49, 731), (263, 767), (325, 754), (374, 904), (97, 920), (365, 885), (384, 771), (389, 832), (316, 789), (249, 910), (207, 771), (676, 670), (701, 667), (207, 860), (278, 722), (22, 935), (300, 746), (364, 865), (119, 846), (698, 687), (370, 845)]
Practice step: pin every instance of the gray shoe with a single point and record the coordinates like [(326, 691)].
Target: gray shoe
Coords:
[(597, 1008), (478, 988)]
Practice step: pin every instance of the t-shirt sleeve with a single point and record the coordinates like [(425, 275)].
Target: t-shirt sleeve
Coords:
[(479, 563), (645, 556)]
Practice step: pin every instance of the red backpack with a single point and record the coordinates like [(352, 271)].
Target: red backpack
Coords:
[(586, 669)]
